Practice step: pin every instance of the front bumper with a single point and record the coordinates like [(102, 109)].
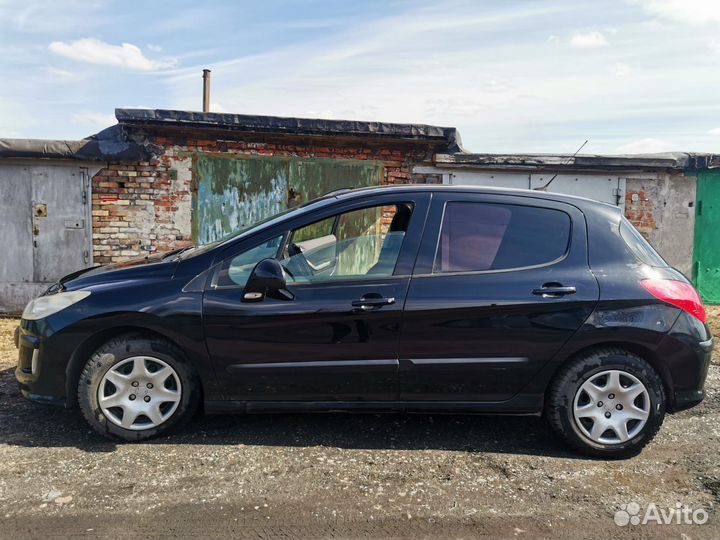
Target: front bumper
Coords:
[(40, 372)]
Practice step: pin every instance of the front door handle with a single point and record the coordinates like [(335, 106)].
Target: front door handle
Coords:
[(554, 290), (370, 302)]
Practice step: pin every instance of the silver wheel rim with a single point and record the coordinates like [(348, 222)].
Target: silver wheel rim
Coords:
[(139, 393), (611, 407)]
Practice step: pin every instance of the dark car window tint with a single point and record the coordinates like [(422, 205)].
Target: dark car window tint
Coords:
[(639, 246), (484, 236)]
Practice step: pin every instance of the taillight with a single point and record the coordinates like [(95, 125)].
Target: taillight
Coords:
[(677, 293)]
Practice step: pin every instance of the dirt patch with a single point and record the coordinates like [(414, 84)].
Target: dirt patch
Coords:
[(330, 476), (8, 352)]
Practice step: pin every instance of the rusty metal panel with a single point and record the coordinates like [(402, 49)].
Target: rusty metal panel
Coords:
[(60, 235), (16, 264), (312, 178), (236, 192), (44, 228)]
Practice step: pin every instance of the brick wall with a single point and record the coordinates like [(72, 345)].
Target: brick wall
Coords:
[(146, 207), (639, 210)]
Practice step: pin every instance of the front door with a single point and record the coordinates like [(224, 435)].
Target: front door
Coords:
[(337, 338), (500, 285)]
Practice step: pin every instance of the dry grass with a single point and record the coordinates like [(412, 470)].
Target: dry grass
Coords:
[(714, 319), (8, 352)]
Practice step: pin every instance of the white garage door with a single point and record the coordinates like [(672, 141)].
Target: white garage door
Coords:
[(605, 188)]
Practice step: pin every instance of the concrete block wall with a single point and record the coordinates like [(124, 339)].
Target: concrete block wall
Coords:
[(663, 210), (146, 207)]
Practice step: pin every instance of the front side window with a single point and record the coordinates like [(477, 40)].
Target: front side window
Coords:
[(360, 244), (477, 237), (236, 271)]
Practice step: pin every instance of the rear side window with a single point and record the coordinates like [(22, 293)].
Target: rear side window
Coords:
[(639, 246), (484, 236)]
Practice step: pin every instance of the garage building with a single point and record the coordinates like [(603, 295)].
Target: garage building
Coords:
[(161, 180)]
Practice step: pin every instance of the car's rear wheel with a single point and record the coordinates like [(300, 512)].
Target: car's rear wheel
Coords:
[(136, 387), (608, 403)]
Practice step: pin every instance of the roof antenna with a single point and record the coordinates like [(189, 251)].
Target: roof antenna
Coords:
[(543, 188)]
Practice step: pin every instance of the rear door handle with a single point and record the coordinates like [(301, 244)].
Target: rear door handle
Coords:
[(554, 291), (370, 302)]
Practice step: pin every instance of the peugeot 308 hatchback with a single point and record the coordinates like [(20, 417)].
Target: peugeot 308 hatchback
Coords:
[(412, 298)]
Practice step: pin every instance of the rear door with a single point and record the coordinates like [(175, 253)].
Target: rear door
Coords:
[(501, 283)]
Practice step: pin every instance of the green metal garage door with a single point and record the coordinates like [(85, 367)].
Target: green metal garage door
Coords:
[(706, 253), (233, 193)]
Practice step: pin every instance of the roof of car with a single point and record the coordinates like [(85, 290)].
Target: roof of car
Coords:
[(581, 202)]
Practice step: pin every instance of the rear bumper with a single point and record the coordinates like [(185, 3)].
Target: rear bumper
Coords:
[(685, 399), (687, 356)]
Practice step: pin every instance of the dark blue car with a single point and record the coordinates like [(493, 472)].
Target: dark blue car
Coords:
[(408, 298)]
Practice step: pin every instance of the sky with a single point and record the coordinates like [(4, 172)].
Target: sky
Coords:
[(629, 76)]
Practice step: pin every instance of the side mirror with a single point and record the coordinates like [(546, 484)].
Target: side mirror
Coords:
[(266, 279)]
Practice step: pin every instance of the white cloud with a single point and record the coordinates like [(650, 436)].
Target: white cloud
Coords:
[(622, 70), (589, 40), (154, 48), (694, 12), (62, 74), (43, 17), (94, 119), (647, 146), (504, 95), (715, 131), (94, 51), (714, 45), (487, 68)]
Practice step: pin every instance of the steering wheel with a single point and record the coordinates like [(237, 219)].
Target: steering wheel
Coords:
[(298, 261)]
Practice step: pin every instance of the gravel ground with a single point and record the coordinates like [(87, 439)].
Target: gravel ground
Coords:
[(333, 476)]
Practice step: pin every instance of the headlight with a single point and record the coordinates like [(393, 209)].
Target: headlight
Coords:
[(45, 306)]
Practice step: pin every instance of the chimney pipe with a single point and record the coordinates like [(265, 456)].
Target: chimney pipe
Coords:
[(206, 90)]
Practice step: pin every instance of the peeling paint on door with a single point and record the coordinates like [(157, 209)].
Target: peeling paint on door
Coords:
[(232, 193), (706, 254)]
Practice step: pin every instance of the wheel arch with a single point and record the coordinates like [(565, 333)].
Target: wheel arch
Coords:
[(94, 342), (643, 352)]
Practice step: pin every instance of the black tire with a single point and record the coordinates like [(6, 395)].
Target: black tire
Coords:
[(561, 395), (113, 353)]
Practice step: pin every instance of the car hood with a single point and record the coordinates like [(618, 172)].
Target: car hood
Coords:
[(157, 265)]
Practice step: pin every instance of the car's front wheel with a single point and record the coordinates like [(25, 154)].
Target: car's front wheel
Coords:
[(608, 403), (136, 387)]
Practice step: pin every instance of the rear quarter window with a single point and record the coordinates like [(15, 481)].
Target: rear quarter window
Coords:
[(640, 247)]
